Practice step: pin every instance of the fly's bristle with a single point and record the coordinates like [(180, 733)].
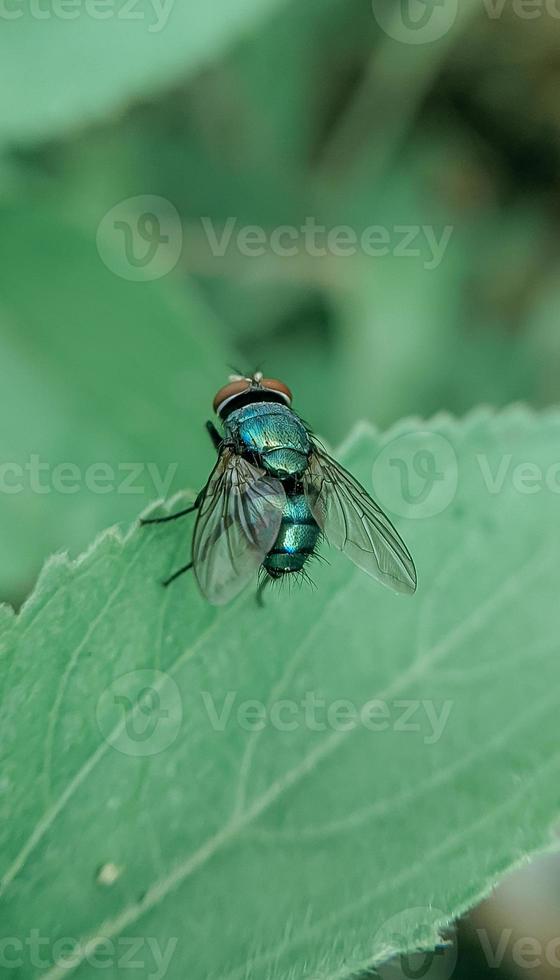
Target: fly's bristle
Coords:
[(306, 577), (264, 581), (321, 558), (238, 375), (287, 580)]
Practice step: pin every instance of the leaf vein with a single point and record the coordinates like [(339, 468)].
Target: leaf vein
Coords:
[(420, 667)]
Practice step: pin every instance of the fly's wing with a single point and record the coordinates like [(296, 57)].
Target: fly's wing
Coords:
[(237, 524), (354, 524)]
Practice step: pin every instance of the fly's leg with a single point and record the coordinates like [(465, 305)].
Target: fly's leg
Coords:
[(214, 435), (176, 575), (259, 593), (164, 520), (174, 517)]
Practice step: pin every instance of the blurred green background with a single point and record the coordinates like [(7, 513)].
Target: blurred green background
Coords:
[(131, 137), (128, 143)]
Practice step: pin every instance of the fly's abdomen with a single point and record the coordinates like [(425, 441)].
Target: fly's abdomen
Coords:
[(297, 538)]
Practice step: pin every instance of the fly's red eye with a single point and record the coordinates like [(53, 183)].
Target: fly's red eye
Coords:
[(238, 386), (273, 385), (228, 391)]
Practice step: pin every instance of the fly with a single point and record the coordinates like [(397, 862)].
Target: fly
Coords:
[(273, 494)]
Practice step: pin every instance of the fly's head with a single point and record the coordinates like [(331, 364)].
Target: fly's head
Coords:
[(242, 390)]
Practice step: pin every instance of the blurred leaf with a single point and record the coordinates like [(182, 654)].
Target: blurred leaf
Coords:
[(66, 63), (310, 845), (96, 370)]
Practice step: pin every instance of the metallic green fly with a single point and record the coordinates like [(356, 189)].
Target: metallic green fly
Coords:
[(273, 494)]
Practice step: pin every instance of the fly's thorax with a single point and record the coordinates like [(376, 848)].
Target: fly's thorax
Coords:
[(272, 433), (297, 538)]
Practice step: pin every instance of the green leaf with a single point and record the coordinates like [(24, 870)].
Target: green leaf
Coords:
[(137, 806), (59, 69), (100, 372)]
